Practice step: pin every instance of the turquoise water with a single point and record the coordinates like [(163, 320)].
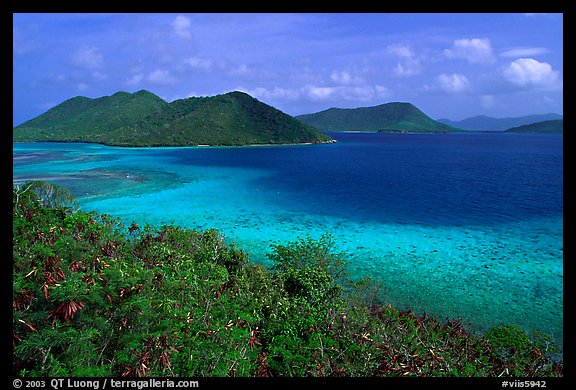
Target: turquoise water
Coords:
[(467, 226)]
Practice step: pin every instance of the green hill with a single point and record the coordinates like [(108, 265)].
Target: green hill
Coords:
[(487, 123), (553, 126), (390, 117), (144, 119)]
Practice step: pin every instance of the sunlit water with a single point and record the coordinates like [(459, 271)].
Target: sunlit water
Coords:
[(462, 225)]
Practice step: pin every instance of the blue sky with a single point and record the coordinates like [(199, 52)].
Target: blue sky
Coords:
[(450, 65)]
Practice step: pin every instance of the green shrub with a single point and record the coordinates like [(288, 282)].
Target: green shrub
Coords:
[(92, 298)]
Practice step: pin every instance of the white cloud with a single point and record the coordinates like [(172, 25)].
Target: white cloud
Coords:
[(363, 93), (345, 78), (400, 50), (162, 77), (524, 52), (88, 57), (346, 92), (181, 26), (270, 94), (407, 68), (318, 93), (409, 65), (382, 91), (530, 73), (475, 50), (452, 83)]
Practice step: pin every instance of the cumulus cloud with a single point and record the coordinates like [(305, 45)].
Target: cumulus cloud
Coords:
[(400, 50), (382, 91), (409, 64), (182, 27), (162, 77), (407, 68), (452, 83), (322, 93), (88, 58), (363, 92), (530, 73), (475, 50), (345, 78), (318, 93), (270, 94)]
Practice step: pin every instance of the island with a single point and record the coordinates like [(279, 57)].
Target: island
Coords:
[(551, 127), (487, 123), (144, 119), (394, 117)]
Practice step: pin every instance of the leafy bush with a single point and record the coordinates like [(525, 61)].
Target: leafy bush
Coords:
[(523, 353), (94, 298)]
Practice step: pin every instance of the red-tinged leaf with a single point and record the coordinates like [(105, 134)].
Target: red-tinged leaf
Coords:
[(67, 310), (15, 340)]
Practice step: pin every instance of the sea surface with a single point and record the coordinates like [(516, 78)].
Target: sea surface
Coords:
[(455, 225)]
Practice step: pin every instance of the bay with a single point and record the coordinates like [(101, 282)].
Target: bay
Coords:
[(455, 225)]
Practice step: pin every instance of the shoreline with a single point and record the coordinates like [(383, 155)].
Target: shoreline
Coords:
[(332, 141)]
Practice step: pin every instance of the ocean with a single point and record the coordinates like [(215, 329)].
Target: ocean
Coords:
[(465, 225)]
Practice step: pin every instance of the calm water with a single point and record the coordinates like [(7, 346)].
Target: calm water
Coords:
[(466, 225)]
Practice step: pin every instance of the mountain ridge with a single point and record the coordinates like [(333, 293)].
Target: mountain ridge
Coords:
[(487, 123), (551, 126), (144, 119), (399, 117)]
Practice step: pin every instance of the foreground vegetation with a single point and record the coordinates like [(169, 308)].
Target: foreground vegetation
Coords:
[(92, 297)]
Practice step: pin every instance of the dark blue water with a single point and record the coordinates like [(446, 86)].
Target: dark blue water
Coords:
[(460, 179), (467, 225)]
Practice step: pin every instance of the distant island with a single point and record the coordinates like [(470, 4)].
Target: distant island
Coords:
[(553, 126), (487, 123), (144, 119), (394, 117)]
